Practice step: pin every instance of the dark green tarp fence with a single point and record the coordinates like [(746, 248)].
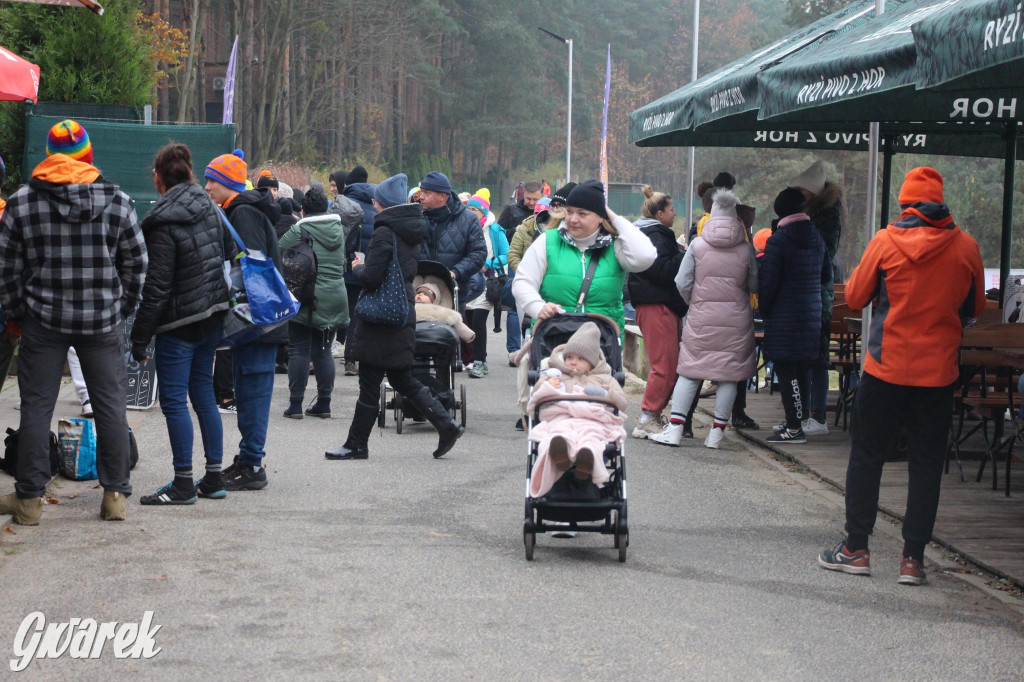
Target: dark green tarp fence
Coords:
[(124, 151)]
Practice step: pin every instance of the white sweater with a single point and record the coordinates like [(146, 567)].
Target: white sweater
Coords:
[(633, 250)]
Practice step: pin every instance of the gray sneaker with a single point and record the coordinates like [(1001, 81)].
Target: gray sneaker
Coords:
[(479, 370), (655, 424)]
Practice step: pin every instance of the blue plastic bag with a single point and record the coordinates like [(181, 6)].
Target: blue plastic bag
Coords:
[(76, 445), (259, 298)]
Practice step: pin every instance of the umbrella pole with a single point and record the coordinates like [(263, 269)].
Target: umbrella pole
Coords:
[(888, 152), (1009, 178)]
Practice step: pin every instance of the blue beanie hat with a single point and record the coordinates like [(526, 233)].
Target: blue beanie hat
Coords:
[(393, 191), (436, 182)]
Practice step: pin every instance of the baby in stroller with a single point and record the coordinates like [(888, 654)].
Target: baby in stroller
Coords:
[(575, 432), (427, 310)]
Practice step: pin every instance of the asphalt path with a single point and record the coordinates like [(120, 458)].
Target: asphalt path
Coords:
[(406, 567)]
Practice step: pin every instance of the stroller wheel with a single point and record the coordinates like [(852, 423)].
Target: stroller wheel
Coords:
[(529, 542), (462, 403), (399, 418), (622, 540), (382, 415)]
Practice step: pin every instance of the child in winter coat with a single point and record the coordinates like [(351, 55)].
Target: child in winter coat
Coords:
[(428, 311), (576, 431)]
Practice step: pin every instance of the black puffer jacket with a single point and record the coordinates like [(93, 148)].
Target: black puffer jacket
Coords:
[(656, 284), (253, 213), (512, 216), (454, 239), (384, 345), (185, 283), (790, 274)]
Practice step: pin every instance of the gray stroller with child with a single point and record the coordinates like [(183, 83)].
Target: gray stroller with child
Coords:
[(550, 513), (436, 356)]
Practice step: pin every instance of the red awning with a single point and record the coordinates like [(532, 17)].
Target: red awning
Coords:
[(19, 79)]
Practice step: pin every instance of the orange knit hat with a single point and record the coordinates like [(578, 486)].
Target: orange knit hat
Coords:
[(229, 170), (921, 184), (761, 238)]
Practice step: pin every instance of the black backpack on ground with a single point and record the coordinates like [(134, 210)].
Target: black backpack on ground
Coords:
[(10, 461), (299, 268)]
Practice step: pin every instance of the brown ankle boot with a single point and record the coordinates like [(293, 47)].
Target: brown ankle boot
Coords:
[(113, 507), (25, 512)]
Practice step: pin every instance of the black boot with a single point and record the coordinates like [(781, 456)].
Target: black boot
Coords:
[(355, 446), (448, 430)]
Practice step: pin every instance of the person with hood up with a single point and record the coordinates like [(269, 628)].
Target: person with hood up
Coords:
[(792, 268), (357, 240), (454, 237), (575, 432), (716, 278), (183, 304), (386, 350), (72, 267), (823, 204), (925, 277), (479, 308), (311, 332), (659, 309), (253, 214)]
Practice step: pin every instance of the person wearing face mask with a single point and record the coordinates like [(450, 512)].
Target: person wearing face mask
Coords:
[(479, 308), (550, 278)]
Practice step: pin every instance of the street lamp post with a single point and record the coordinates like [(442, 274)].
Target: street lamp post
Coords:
[(568, 115)]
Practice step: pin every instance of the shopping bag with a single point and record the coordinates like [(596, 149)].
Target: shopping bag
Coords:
[(76, 443), (259, 299)]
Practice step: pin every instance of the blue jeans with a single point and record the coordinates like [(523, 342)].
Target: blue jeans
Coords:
[(817, 381), (254, 387), (514, 335), (185, 371)]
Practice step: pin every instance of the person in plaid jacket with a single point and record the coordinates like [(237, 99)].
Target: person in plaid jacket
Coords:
[(72, 266)]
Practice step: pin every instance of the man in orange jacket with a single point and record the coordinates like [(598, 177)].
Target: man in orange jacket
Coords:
[(925, 276)]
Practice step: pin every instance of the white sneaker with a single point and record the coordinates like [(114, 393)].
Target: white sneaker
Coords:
[(714, 438), (87, 409), (672, 434), (654, 425), (337, 349), (813, 427)]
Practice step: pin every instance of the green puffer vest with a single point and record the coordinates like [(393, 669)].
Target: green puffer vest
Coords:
[(564, 278)]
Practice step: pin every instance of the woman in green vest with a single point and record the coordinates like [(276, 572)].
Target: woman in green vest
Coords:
[(550, 276)]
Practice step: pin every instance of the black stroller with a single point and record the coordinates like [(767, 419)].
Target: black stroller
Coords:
[(436, 355), (606, 515)]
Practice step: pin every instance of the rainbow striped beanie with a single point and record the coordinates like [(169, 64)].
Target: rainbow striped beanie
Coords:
[(69, 137), (229, 170)]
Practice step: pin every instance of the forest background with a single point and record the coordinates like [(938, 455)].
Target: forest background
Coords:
[(469, 87)]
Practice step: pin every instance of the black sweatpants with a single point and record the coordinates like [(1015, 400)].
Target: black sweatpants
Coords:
[(477, 321), (880, 409), (793, 385)]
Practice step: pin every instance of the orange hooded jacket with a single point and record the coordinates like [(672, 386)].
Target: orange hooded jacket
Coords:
[(925, 276)]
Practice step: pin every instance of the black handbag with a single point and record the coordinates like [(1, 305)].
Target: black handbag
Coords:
[(387, 304)]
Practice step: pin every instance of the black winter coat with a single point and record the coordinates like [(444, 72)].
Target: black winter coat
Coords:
[(454, 239), (790, 274), (657, 283), (384, 345), (512, 216), (287, 219), (359, 239), (185, 282), (253, 213)]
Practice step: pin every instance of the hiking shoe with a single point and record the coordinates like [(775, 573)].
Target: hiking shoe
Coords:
[(912, 572), (244, 478), (839, 559), (211, 486), (87, 409), (294, 411), (113, 507), (170, 495), (479, 370), (25, 512), (714, 439), (787, 436), (644, 429), (351, 369), (742, 421), (227, 408), (321, 408), (813, 427)]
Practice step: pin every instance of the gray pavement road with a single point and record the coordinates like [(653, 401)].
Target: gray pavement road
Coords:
[(403, 567)]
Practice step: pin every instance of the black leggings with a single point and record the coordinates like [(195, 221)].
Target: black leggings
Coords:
[(793, 385), (478, 323)]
